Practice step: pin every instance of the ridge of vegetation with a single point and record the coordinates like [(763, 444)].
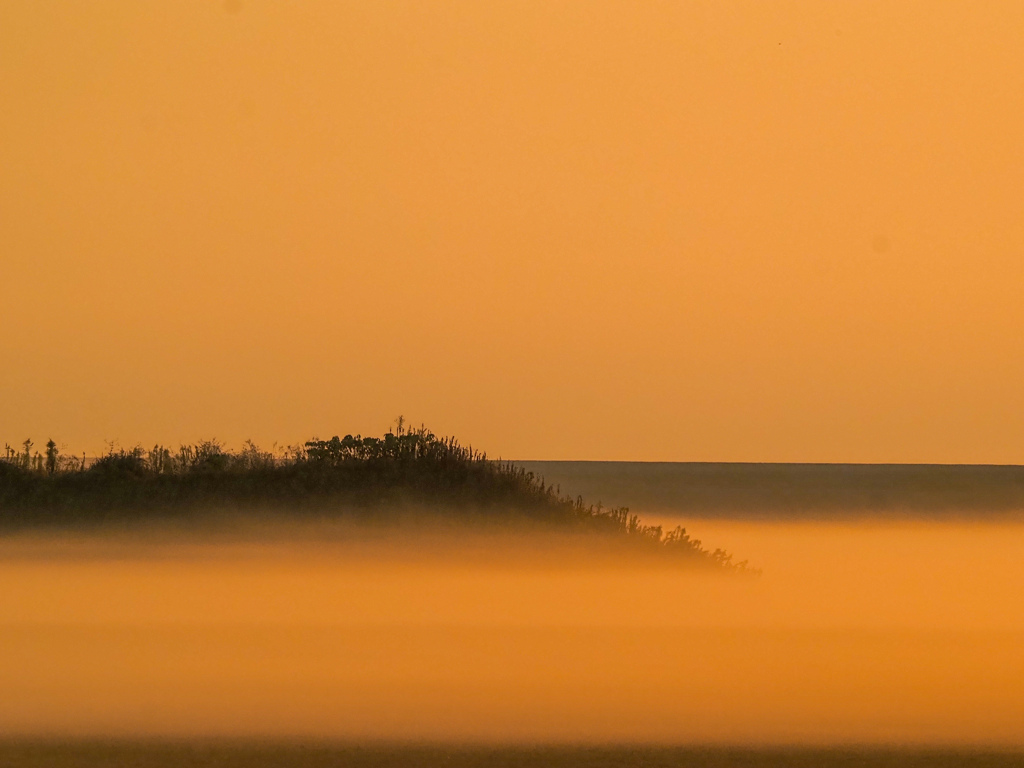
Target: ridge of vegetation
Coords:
[(344, 475)]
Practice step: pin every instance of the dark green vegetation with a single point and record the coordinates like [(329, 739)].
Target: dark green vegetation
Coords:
[(225, 755), (809, 491), (363, 478)]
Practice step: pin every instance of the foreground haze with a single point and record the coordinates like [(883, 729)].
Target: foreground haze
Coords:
[(878, 633)]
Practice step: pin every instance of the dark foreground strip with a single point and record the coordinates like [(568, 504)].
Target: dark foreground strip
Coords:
[(61, 754)]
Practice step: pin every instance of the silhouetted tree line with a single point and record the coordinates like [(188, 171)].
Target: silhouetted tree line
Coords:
[(352, 474)]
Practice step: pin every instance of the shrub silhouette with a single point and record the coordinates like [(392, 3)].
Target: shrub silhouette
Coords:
[(51, 457), (350, 475)]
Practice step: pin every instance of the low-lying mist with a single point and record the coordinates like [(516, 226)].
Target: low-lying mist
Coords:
[(874, 633)]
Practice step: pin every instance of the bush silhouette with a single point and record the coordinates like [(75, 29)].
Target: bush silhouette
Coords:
[(351, 475)]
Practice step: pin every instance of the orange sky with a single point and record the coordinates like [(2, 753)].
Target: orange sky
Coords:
[(610, 230)]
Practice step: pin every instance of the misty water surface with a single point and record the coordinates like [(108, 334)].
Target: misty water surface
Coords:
[(878, 633)]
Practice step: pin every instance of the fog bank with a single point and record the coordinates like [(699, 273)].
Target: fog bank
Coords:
[(880, 633)]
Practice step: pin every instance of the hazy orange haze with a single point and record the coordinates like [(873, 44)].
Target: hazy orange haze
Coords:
[(616, 230), (354, 639)]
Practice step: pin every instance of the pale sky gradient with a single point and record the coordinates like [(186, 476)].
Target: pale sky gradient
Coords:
[(787, 231)]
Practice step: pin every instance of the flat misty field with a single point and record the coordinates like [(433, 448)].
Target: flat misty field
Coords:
[(876, 634)]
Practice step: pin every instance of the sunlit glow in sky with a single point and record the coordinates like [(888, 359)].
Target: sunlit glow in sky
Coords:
[(607, 230)]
